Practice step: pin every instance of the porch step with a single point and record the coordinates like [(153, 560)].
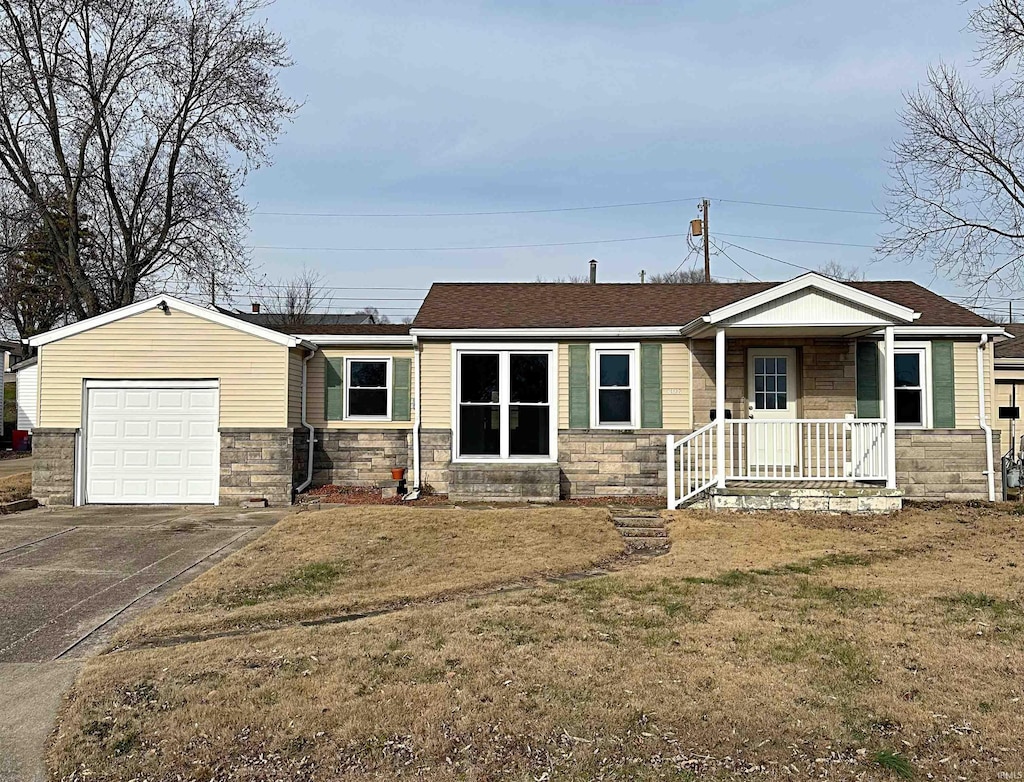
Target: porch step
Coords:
[(642, 532), (632, 522)]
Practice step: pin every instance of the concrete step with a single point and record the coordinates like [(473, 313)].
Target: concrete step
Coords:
[(647, 543), (643, 532), (637, 521)]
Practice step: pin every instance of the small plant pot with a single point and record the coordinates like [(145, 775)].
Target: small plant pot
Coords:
[(398, 473)]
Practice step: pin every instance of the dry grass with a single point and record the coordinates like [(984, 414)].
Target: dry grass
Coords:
[(16, 487), (762, 646), (348, 560)]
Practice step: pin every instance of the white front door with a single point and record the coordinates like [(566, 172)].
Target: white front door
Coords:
[(152, 442), (771, 395)]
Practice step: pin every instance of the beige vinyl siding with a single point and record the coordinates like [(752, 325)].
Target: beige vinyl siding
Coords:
[(965, 379), (295, 357), (436, 385), (315, 385), (675, 384), (253, 372), (1004, 397)]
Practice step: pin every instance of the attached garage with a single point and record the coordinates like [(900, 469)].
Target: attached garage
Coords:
[(165, 402), (151, 442)]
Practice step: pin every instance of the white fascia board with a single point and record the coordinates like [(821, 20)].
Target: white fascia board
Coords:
[(944, 331), (327, 340), (814, 280), (175, 304), (551, 333), (1009, 362)]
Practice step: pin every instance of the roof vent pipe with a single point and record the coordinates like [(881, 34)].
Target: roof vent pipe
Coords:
[(593, 271), (255, 308)]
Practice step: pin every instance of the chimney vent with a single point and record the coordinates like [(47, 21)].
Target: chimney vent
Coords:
[(255, 308), (593, 271)]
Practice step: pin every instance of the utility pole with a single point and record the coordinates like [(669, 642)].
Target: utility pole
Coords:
[(643, 276), (707, 241)]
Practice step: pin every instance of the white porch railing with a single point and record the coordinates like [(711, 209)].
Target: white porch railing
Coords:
[(806, 450)]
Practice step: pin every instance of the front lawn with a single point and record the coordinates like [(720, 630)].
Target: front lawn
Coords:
[(16, 487), (324, 564), (761, 646)]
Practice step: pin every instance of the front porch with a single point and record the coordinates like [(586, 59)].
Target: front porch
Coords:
[(795, 404)]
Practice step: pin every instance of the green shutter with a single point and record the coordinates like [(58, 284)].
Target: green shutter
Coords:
[(579, 386), (401, 389), (869, 398), (943, 401), (333, 388), (650, 385)]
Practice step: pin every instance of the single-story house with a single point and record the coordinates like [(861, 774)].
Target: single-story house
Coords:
[(858, 392)]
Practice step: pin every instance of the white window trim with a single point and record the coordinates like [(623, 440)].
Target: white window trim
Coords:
[(347, 386), (503, 349), (632, 349), (925, 349)]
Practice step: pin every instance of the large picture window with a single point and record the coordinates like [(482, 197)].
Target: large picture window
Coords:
[(504, 404), (368, 389), (615, 384)]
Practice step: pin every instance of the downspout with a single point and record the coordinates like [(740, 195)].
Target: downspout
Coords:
[(415, 493), (312, 432), (983, 420)]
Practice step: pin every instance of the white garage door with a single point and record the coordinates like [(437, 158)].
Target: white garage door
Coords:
[(152, 442)]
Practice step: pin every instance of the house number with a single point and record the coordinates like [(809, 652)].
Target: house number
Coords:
[(673, 390)]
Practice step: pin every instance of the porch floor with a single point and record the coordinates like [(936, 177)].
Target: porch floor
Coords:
[(774, 486)]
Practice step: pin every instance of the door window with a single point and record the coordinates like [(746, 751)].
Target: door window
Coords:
[(771, 390)]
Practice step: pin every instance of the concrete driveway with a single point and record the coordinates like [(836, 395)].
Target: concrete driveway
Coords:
[(70, 577)]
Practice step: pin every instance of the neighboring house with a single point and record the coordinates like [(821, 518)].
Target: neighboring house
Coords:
[(27, 386), (837, 395), (1009, 366)]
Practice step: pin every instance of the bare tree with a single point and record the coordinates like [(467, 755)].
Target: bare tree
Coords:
[(145, 115), (297, 299), (571, 278), (957, 195), (375, 315), (837, 271), (679, 276)]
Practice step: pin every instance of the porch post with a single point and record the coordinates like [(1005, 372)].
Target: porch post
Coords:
[(889, 391), (720, 406)]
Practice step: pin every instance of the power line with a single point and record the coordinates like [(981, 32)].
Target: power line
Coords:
[(480, 214), (624, 205), (769, 257), (542, 244), (736, 264), (800, 206)]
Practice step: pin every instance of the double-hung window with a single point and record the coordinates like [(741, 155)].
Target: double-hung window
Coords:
[(911, 386), (616, 402), (368, 389), (504, 403)]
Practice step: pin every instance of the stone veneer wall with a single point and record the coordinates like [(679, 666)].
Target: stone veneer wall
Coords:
[(435, 459), (300, 454), (945, 464), (827, 371), (360, 457), (609, 463), (256, 463), (53, 466)]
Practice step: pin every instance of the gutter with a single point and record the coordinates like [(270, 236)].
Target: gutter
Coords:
[(415, 493), (982, 419), (312, 432)]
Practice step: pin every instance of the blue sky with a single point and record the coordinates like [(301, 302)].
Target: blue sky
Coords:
[(413, 107)]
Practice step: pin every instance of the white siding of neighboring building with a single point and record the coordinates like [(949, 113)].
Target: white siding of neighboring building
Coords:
[(28, 385)]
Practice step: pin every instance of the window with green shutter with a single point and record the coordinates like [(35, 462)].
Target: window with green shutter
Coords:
[(650, 386), (869, 396), (943, 398), (401, 391), (333, 389), (579, 386)]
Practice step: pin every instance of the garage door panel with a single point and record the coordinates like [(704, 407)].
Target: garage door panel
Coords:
[(152, 445)]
